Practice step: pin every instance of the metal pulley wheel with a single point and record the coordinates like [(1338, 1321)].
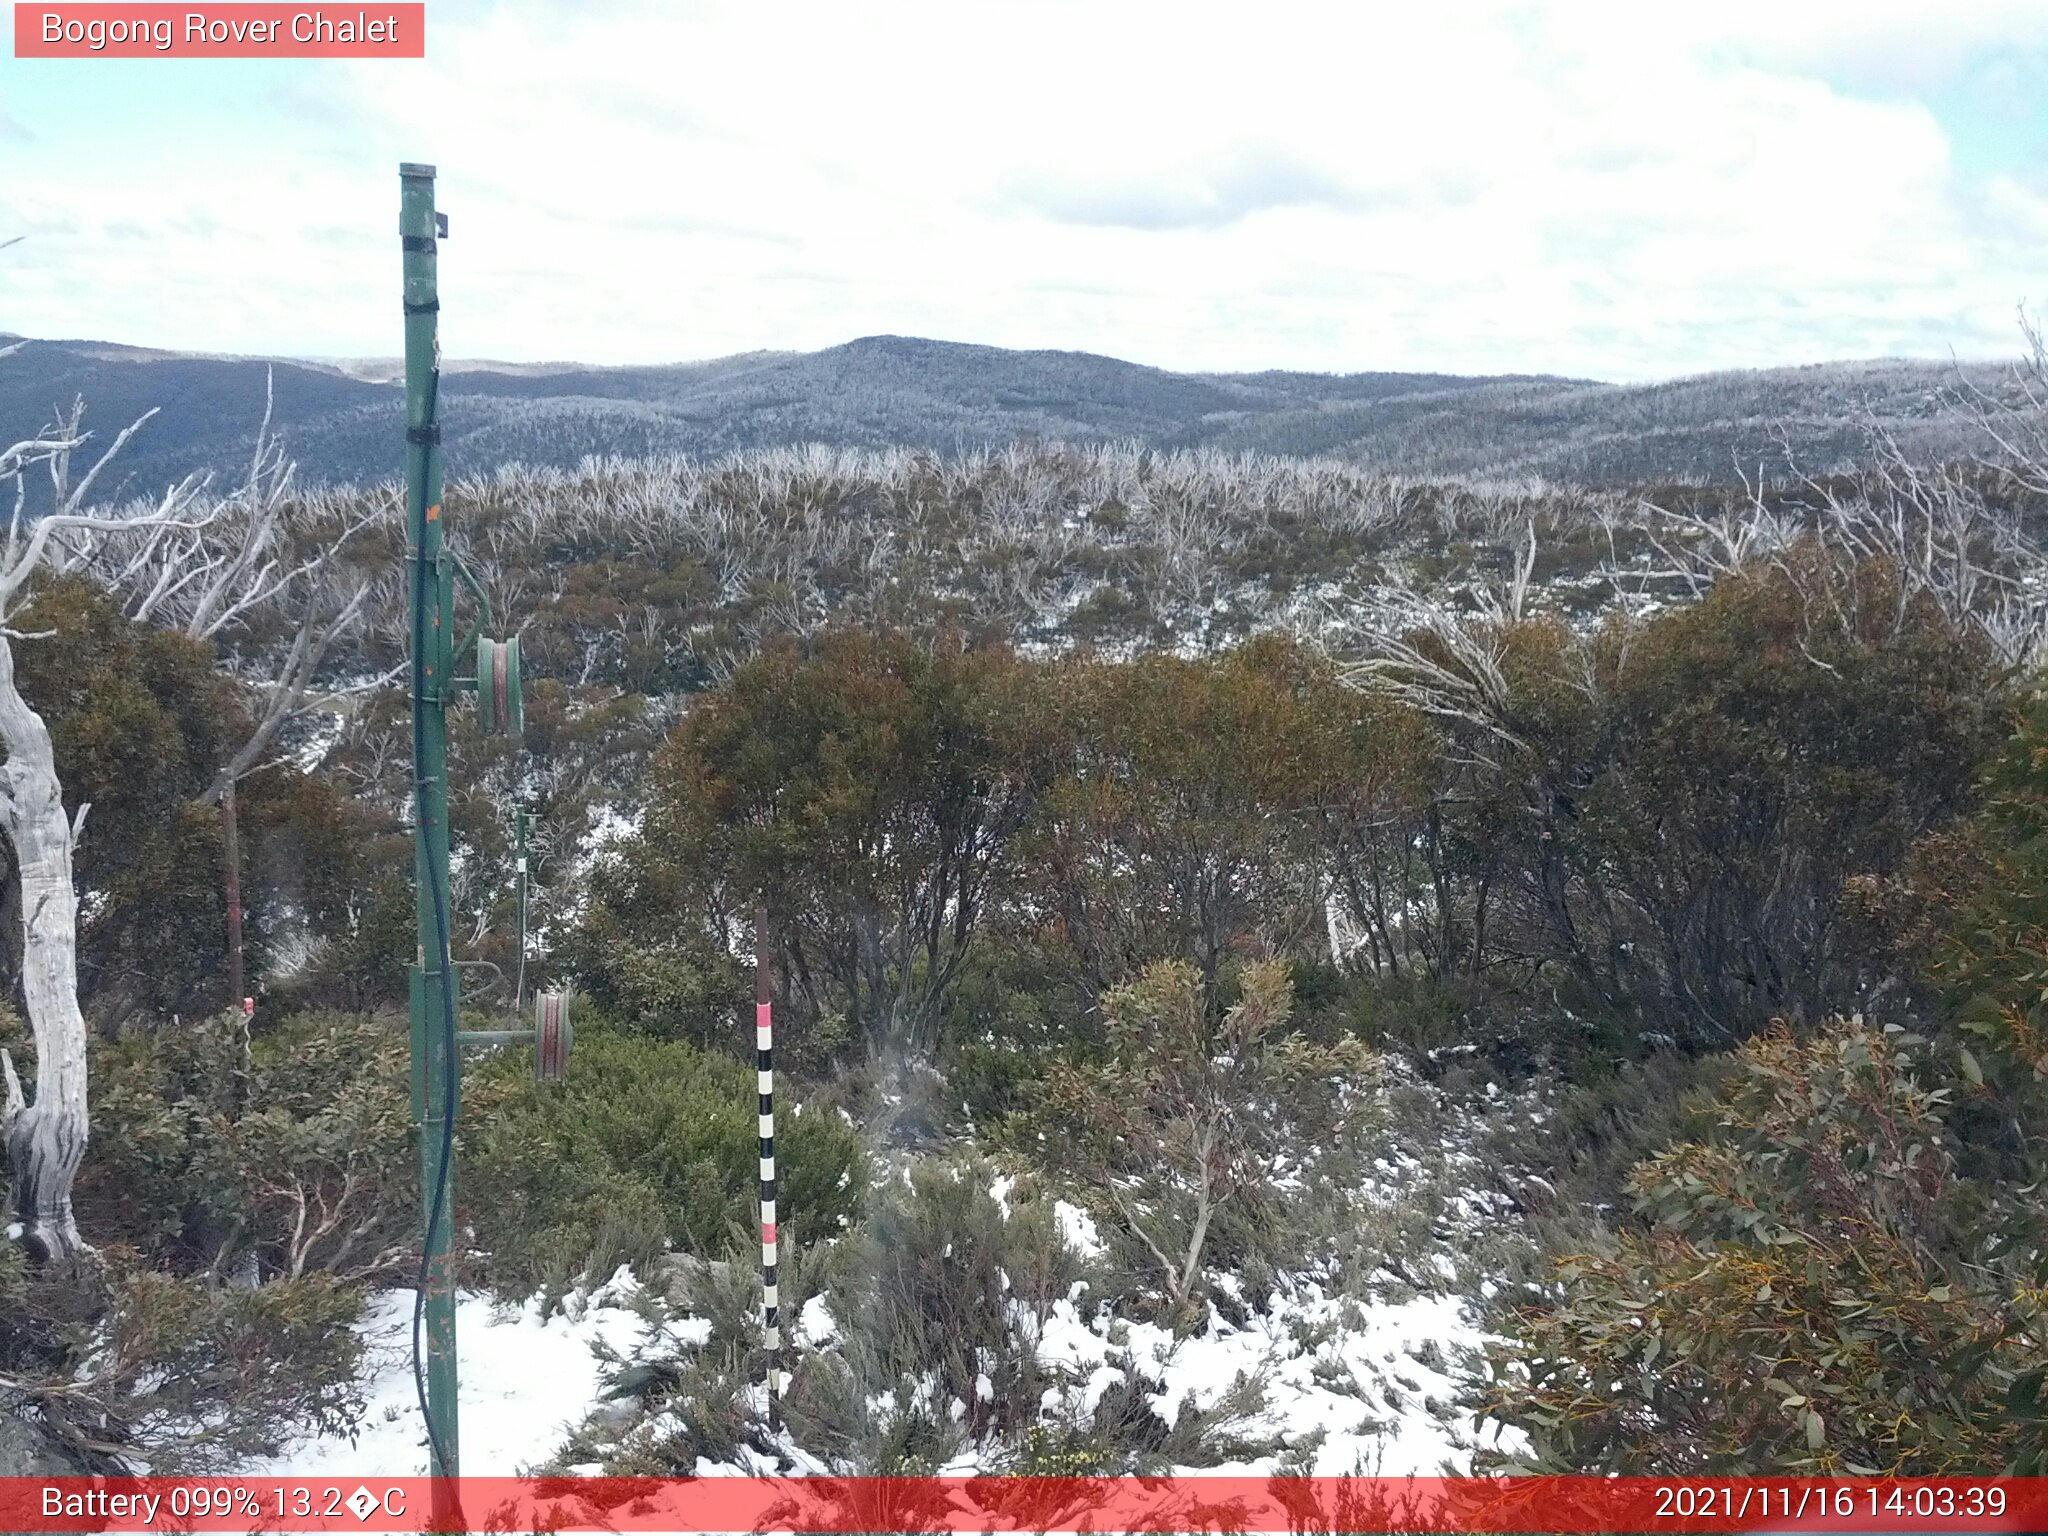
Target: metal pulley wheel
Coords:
[(499, 704), (552, 1036)]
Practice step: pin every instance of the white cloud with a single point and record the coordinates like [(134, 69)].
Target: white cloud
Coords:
[(1594, 188)]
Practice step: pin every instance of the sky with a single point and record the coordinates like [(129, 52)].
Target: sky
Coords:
[(1623, 190)]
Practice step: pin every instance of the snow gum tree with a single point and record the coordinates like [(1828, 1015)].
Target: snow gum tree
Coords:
[(46, 1138)]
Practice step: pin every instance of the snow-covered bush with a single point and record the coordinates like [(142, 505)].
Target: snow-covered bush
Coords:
[(1184, 1128), (937, 1305)]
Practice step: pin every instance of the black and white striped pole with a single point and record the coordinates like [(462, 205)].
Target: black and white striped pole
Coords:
[(519, 898), (764, 1063)]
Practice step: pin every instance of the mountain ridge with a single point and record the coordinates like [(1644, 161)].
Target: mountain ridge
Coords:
[(341, 417)]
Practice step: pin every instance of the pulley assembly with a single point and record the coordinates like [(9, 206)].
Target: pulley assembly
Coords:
[(552, 1036), (500, 708)]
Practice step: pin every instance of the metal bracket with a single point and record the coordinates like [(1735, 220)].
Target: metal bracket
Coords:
[(466, 649)]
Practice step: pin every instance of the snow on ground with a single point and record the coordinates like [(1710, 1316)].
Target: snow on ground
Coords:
[(609, 826), (320, 739), (526, 1381), (1077, 1229), (1373, 1376), (815, 1325), (1346, 1368)]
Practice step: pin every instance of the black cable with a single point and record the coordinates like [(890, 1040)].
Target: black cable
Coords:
[(442, 955)]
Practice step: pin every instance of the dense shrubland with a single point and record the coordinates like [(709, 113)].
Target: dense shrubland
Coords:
[(1650, 829), (241, 1192), (1601, 855), (1201, 839), (650, 1146)]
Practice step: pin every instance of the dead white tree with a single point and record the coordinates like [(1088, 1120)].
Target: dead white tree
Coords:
[(1448, 663), (1944, 541), (46, 1139)]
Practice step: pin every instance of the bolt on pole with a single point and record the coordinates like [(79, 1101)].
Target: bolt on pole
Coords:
[(435, 1062)]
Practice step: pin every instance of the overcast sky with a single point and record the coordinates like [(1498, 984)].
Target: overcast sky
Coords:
[(1625, 191)]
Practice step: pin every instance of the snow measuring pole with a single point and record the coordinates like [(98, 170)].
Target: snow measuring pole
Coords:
[(764, 1064)]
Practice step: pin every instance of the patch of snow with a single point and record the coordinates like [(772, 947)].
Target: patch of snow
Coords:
[(815, 1325), (1077, 1229), (527, 1380), (319, 741), (609, 826)]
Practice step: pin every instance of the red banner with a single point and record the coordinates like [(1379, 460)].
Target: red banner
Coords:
[(980, 1504), (237, 31)]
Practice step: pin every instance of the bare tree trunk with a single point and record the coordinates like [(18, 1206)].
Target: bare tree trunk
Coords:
[(46, 1139), (231, 875), (10, 933), (1206, 1200)]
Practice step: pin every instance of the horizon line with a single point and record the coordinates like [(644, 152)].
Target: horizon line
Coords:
[(341, 362)]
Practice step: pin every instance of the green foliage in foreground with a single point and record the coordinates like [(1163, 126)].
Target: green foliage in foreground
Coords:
[(933, 1307), (939, 1295), (287, 1154), (1811, 1289), (1844, 1274), (1182, 1131), (647, 1144), (196, 1377), (203, 1379), (239, 1191)]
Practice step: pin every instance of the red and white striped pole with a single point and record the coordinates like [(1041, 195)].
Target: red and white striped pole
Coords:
[(764, 1063)]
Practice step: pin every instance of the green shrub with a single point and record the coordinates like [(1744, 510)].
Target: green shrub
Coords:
[(937, 1297), (202, 1378), (673, 1399), (648, 1142), (1176, 1142), (986, 1084), (187, 1376), (294, 1149), (676, 985), (1813, 1287), (932, 1297), (238, 1191)]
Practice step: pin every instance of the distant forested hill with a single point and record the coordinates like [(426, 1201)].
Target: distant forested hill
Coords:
[(342, 420)]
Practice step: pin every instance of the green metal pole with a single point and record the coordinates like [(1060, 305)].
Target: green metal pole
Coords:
[(435, 1065)]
